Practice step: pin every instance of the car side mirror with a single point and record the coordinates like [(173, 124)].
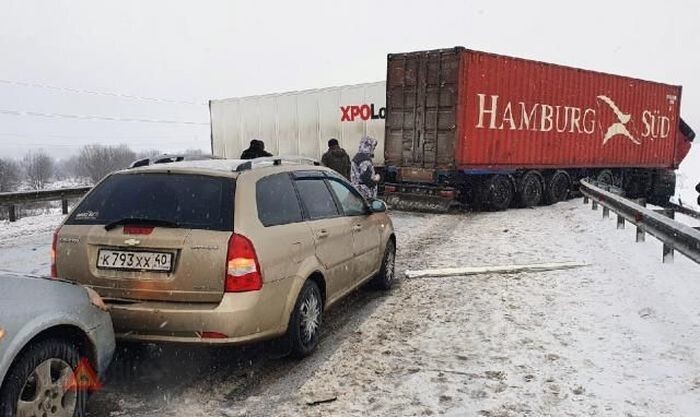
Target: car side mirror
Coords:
[(377, 206)]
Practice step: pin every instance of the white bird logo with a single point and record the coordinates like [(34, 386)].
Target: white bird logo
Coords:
[(618, 128)]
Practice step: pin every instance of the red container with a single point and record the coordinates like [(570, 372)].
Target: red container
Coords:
[(470, 110)]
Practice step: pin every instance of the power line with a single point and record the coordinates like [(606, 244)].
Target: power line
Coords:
[(80, 145), (41, 135), (101, 93), (97, 117)]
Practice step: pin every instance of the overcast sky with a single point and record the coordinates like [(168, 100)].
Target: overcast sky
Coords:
[(192, 51)]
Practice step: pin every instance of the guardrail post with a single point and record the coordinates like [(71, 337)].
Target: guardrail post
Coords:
[(64, 206), (668, 251), (12, 213), (594, 205), (668, 254), (585, 199), (640, 234), (620, 222), (606, 212), (641, 237)]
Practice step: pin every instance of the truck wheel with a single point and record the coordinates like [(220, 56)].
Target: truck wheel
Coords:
[(531, 189), (558, 187), (497, 193), (305, 323), (37, 384), (664, 186), (606, 177)]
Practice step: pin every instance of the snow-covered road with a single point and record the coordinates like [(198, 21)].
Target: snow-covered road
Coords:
[(615, 338)]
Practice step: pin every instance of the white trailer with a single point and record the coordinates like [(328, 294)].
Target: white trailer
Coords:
[(300, 122)]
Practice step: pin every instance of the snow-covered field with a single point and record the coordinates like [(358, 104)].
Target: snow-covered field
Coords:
[(615, 338)]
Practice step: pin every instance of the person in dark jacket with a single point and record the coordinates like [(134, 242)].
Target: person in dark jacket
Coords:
[(337, 159), (255, 150), (362, 174), (697, 188)]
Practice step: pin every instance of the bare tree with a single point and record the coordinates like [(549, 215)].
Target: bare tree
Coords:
[(10, 173), (68, 168), (38, 168), (150, 153), (96, 161)]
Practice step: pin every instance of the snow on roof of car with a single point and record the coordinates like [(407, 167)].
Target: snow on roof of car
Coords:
[(227, 165), (224, 165)]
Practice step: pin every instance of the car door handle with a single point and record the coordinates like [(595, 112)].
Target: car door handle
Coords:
[(322, 234), (357, 228)]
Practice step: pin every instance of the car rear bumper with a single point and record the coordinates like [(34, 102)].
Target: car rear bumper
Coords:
[(238, 318)]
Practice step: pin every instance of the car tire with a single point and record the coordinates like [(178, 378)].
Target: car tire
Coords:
[(53, 359), (387, 273), (305, 322)]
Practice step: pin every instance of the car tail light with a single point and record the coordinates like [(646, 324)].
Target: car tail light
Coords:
[(242, 267), (54, 241), (389, 189), (447, 193), (137, 230)]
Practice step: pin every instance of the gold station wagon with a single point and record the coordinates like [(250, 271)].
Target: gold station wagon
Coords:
[(225, 251)]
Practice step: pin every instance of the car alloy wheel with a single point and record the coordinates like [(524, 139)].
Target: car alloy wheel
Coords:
[(46, 391), (310, 317)]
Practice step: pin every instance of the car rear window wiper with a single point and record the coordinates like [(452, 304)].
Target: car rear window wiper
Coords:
[(141, 221)]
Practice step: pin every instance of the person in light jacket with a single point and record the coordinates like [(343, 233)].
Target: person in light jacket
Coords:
[(362, 172)]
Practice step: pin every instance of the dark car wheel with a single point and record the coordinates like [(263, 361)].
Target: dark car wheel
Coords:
[(386, 276), (38, 382), (305, 323)]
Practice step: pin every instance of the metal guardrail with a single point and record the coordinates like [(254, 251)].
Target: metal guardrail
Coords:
[(674, 235), (11, 200)]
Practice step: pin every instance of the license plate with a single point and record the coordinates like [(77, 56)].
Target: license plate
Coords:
[(133, 260)]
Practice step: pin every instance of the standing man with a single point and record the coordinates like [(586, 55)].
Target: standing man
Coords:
[(363, 176), (697, 188), (337, 159), (255, 150)]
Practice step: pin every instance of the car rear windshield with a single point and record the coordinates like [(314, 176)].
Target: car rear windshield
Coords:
[(179, 200)]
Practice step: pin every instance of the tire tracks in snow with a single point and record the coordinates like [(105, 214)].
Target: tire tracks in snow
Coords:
[(272, 394), (180, 380)]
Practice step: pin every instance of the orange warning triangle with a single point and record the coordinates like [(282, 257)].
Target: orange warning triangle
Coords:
[(84, 378)]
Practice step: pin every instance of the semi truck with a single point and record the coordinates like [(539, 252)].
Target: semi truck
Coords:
[(492, 131), (463, 127)]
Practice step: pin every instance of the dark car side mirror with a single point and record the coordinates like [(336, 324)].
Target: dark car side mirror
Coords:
[(377, 206)]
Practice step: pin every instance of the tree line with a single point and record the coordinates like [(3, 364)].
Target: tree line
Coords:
[(36, 169)]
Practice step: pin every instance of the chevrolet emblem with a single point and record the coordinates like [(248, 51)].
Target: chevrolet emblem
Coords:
[(132, 242)]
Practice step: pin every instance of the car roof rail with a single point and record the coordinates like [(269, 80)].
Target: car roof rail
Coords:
[(276, 160), (169, 158)]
